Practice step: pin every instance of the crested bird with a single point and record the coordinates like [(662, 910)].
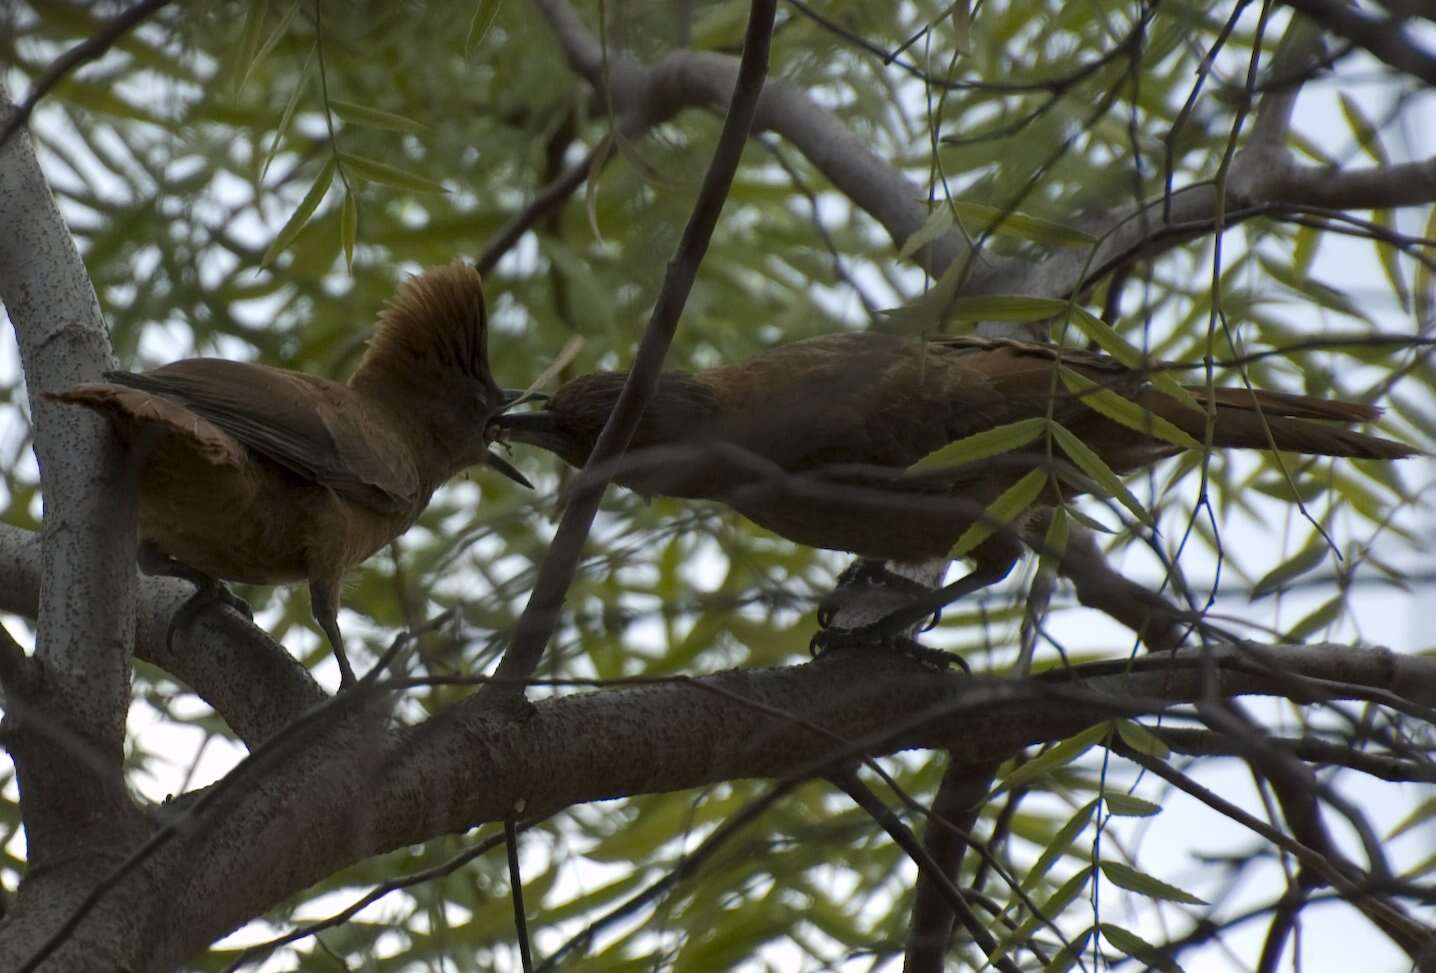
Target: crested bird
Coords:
[(264, 475), (813, 439)]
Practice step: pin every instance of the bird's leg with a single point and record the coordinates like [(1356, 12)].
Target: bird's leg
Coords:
[(324, 603), (208, 590), (891, 630)]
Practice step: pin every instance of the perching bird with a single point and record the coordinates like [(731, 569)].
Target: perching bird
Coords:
[(811, 439), (264, 475)]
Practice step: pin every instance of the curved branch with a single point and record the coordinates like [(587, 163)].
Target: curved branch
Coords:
[(1382, 37), (246, 677)]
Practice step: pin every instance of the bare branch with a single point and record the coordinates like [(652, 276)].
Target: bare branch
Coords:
[(87, 50), (540, 615), (1385, 38)]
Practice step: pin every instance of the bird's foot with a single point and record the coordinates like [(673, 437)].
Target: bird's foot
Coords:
[(875, 636), (209, 591)]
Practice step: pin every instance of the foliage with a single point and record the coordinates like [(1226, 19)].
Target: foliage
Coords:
[(250, 180)]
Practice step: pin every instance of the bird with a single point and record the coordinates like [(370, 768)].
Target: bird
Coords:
[(263, 475), (815, 439)]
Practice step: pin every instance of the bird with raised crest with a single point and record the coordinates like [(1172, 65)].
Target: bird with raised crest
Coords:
[(264, 475)]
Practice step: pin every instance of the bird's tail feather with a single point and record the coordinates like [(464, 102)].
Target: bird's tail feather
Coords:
[(1250, 419)]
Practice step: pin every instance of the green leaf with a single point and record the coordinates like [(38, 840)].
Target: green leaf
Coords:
[(1107, 338), (1022, 225), (1424, 282), (1054, 541), (483, 19), (1089, 462), (1420, 814), (1138, 948), (1006, 307), (1366, 133), (355, 114), (289, 109), (1127, 806), (274, 38), (1066, 957), (1317, 620), (1003, 510), (1388, 256), (989, 442), (387, 175), (1127, 877), (306, 209), (1141, 739), (1059, 756), (1047, 911), (1308, 559), (248, 46), (939, 221), (349, 227), (1124, 411), (1059, 844)]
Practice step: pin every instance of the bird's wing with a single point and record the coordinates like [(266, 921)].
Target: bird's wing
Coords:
[(311, 426), (876, 399)]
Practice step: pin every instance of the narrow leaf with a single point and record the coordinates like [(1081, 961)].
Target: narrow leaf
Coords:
[(1006, 307), (1138, 948), (1127, 806), (306, 209), (274, 38), (349, 227), (387, 175), (484, 15), (289, 109), (356, 114), (1127, 877), (989, 442), (1124, 411), (1142, 740), (1107, 338), (1013, 501), (939, 221), (1059, 844), (1308, 559), (1361, 127), (1059, 756), (248, 46), (1021, 225), (1089, 462)]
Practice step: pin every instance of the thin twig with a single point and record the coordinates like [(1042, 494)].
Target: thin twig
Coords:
[(540, 617), (87, 50)]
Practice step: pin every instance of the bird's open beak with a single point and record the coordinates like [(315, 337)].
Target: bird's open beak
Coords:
[(496, 461)]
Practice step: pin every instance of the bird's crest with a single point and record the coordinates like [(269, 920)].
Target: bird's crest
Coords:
[(436, 320)]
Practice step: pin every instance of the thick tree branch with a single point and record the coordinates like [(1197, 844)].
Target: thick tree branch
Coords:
[(334, 796), (66, 735), (955, 810), (88, 559), (248, 679)]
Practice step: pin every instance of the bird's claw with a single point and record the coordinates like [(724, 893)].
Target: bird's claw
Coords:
[(873, 637), (215, 592)]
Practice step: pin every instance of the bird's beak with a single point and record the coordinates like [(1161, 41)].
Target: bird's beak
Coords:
[(511, 398), (496, 461)]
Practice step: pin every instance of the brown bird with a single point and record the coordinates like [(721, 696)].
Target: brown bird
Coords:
[(812, 439), (264, 475)]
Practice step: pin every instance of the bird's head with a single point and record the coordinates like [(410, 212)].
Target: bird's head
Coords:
[(431, 348)]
